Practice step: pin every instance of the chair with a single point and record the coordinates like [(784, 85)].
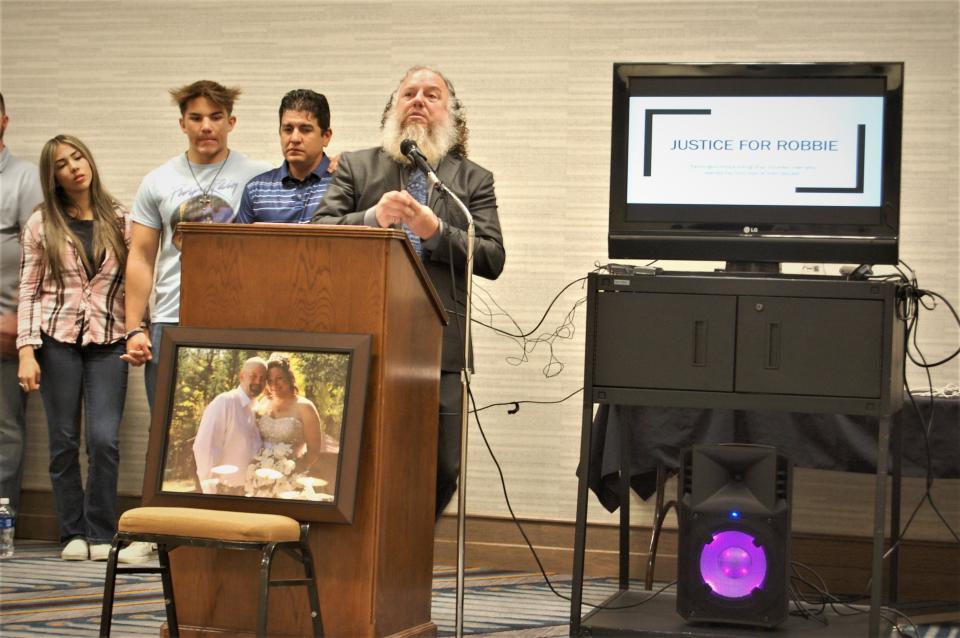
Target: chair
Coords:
[(173, 527)]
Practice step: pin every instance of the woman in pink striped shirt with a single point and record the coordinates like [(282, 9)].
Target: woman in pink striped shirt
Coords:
[(71, 335)]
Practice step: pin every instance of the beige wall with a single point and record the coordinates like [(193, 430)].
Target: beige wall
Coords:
[(536, 78)]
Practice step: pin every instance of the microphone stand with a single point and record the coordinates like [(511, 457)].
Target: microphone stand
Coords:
[(465, 401)]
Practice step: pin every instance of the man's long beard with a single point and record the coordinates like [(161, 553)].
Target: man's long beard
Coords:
[(434, 143)]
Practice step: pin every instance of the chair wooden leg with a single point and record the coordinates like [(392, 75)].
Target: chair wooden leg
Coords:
[(109, 584), (169, 602)]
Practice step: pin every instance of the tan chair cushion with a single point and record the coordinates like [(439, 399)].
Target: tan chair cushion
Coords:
[(212, 524)]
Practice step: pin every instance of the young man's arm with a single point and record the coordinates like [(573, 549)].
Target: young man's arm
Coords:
[(144, 243)]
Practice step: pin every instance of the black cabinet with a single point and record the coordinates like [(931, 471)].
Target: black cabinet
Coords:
[(662, 340), (808, 345), (800, 344)]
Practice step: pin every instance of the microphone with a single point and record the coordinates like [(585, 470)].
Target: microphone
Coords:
[(412, 152)]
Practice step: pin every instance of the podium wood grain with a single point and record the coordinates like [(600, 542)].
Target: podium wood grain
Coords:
[(374, 575)]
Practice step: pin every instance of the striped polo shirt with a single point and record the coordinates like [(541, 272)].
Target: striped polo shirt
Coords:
[(277, 196)]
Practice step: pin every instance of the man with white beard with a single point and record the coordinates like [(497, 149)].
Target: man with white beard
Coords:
[(379, 187)]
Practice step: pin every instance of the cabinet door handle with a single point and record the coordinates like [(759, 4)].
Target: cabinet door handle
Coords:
[(773, 346), (699, 343)]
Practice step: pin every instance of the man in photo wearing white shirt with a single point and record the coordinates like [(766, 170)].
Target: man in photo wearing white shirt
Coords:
[(228, 435)]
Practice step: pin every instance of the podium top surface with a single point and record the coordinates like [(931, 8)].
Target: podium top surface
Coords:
[(328, 232)]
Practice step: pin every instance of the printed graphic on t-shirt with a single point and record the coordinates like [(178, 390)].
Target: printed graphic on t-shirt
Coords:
[(201, 208)]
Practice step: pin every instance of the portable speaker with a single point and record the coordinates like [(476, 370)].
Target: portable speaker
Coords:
[(734, 535)]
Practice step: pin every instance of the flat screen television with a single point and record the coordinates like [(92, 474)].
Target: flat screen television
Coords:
[(756, 163)]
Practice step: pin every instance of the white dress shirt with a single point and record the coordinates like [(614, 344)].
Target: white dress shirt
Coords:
[(228, 435)]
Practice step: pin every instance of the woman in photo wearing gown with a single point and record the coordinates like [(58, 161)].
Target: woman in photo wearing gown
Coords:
[(288, 417)]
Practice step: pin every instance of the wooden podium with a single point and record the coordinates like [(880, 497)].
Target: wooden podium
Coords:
[(375, 574)]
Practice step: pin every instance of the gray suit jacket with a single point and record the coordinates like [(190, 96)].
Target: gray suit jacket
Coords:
[(362, 177)]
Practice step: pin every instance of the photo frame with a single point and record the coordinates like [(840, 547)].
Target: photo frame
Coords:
[(267, 421)]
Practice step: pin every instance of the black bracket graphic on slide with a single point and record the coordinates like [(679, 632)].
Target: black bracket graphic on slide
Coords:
[(648, 132), (861, 152)]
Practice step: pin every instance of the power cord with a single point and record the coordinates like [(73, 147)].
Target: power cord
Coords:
[(515, 405), (846, 602), (910, 299), (491, 309), (523, 533)]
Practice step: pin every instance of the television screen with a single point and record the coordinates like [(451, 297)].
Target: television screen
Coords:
[(756, 162)]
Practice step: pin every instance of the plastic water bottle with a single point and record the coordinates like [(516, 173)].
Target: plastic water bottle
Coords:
[(8, 522)]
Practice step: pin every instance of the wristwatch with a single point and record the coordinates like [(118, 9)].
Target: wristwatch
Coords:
[(133, 333)]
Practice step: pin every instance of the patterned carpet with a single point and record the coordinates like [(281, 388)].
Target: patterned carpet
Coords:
[(40, 595)]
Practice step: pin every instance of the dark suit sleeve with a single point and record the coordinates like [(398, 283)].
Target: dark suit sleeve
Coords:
[(476, 191), (340, 204)]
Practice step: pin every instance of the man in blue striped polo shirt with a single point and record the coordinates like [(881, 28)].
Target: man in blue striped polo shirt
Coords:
[(290, 193)]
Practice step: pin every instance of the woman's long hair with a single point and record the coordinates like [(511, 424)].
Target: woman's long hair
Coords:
[(107, 226)]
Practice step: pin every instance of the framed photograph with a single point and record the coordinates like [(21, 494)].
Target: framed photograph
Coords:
[(258, 420)]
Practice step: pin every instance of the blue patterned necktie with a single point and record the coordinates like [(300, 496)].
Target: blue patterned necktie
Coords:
[(416, 186)]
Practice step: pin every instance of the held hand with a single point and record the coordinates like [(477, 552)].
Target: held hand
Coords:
[(398, 207), (334, 162), (29, 372), (392, 207), (138, 350), (421, 220)]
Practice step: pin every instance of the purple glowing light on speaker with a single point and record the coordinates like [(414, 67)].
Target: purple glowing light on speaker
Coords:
[(734, 562), (732, 565)]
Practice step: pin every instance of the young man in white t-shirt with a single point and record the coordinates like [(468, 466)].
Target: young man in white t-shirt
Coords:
[(204, 184)]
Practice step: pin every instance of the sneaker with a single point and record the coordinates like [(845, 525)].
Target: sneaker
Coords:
[(100, 551), (137, 552), (76, 549)]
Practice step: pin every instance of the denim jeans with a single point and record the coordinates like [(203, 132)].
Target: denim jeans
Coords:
[(13, 430), (151, 368), (96, 377)]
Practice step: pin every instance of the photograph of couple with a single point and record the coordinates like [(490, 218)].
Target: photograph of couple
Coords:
[(256, 424)]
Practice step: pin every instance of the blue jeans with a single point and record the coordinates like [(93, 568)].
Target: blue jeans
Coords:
[(96, 377), (152, 368), (13, 430)]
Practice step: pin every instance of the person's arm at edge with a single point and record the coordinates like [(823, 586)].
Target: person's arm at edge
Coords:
[(208, 444), (144, 244), (29, 196)]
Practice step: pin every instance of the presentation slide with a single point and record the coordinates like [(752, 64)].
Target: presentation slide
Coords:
[(778, 151)]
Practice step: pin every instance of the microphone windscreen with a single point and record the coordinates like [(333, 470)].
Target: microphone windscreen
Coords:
[(406, 146)]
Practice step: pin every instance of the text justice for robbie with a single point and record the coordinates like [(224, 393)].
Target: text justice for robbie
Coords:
[(755, 145)]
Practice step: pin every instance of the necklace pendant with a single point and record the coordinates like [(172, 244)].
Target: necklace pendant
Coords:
[(205, 201)]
